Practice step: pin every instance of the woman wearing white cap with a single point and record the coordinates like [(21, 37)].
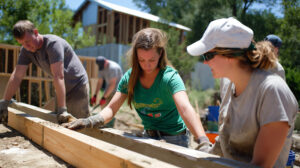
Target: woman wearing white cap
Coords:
[(258, 109)]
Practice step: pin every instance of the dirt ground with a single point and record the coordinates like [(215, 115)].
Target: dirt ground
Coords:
[(16, 151)]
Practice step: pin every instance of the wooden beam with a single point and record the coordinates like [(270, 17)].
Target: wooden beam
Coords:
[(126, 29), (120, 28), (77, 149), (134, 26), (6, 61), (173, 154)]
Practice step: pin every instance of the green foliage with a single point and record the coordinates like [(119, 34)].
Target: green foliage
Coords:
[(49, 16), (293, 80), (290, 51), (262, 23)]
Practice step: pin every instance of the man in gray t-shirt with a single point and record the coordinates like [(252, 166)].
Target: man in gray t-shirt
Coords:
[(56, 57), (111, 73)]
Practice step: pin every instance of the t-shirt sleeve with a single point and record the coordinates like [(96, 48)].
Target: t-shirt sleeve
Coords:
[(123, 84), (55, 51), (277, 104), (175, 83), (23, 59)]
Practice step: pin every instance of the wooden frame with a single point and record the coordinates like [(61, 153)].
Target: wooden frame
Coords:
[(78, 149), (35, 75), (169, 153)]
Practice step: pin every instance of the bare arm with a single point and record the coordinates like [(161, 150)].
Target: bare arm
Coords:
[(269, 142), (110, 88), (113, 106), (57, 70), (188, 114), (15, 81)]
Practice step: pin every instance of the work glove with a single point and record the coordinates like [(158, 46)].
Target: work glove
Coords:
[(94, 121), (3, 110), (93, 100), (63, 116), (102, 101), (204, 144)]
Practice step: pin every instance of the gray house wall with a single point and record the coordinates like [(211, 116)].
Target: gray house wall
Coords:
[(202, 78)]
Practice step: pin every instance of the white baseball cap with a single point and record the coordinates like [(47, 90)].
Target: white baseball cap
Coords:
[(224, 33)]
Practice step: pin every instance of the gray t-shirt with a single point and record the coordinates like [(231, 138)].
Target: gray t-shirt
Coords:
[(56, 49), (278, 70), (266, 99), (112, 71)]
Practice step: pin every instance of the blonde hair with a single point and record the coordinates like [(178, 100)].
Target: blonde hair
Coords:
[(21, 27), (145, 39), (262, 57)]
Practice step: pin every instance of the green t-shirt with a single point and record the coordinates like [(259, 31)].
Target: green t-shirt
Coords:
[(155, 105)]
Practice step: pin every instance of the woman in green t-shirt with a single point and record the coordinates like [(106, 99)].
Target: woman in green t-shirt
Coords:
[(155, 90)]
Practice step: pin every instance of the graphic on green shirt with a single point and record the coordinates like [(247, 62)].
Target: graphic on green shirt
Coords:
[(156, 103)]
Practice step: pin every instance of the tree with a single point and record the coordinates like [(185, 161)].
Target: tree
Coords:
[(289, 31), (49, 16)]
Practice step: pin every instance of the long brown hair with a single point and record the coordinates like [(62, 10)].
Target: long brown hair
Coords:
[(263, 56), (145, 39)]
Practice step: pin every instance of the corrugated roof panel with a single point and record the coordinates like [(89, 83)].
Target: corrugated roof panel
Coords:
[(144, 15)]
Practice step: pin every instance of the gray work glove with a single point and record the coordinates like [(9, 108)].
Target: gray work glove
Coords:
[(63, 116), (3, 110), (204, 144), (95, 121)]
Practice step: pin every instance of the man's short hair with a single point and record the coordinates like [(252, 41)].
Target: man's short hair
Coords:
[(21, 27)]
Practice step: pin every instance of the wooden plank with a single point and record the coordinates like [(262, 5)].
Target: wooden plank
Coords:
[(6, 60), (173, 154), (126, 33), (141, 23), (35, 111), (134, 25), (47, 91), (15, 57), (176, 155), (8, 46), (120, 28), (78, 149), (3, 83), (30, 128)]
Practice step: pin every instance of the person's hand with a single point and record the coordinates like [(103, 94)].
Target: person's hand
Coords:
[(3, 110), (90, 122), (78, 124), (63, 116), (102, 101), (204, 144), (93, 100)]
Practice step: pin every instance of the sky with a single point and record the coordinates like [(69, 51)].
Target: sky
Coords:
[(74, 4)]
